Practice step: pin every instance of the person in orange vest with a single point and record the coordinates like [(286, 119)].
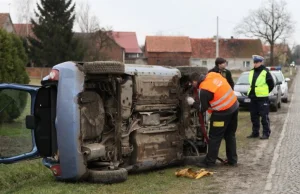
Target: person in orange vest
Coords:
[(217, 97)]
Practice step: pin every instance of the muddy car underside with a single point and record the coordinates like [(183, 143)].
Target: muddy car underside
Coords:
[(134, 118)]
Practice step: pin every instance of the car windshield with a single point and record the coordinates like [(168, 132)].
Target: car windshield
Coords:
[(243, 79), (278, 76)]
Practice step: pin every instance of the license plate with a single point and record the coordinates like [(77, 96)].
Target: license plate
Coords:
[(247, 100)]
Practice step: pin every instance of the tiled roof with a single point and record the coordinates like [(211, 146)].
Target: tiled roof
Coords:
[(128, 41), (228, 48), (168, 44), (21, 30), (3, 18)]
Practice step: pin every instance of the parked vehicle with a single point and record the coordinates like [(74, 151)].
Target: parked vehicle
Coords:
[(241, 89), (97, 121), (284, 82)]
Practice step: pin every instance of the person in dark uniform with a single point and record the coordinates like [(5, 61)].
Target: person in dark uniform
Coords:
[(261, 84), (220, 67), (217, 97)]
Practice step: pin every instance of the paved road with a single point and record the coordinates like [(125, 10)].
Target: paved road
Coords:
[(284, 174)]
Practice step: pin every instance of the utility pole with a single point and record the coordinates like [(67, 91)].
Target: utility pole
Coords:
[(217, 38)]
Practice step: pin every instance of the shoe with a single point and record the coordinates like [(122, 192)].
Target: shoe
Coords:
[(253, 136), (264, 137), (232, 164), (204, 165)]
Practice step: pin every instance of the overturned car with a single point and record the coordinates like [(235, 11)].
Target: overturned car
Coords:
[(97, 121)]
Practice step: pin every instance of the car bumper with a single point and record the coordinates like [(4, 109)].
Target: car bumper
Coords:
[(244, 101)]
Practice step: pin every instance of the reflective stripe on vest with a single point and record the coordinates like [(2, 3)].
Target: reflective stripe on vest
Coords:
[(261, 86), (224, 96)]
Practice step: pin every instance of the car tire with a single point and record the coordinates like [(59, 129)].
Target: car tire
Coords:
[(108, 176), (274, 108), (285, 100), (104, 67)]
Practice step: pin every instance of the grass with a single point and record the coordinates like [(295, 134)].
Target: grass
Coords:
[(33, 177)]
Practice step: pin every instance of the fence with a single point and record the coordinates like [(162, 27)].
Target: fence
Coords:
[(37, 72)]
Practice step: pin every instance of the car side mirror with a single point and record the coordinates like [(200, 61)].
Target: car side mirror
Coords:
[(30, 122), (287, 79)]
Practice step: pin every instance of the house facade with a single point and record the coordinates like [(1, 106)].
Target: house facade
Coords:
[(238, 52), (128, 41), (168, 50), (6, 23)]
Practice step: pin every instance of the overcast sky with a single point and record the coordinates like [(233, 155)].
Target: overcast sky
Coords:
[(194, 18)]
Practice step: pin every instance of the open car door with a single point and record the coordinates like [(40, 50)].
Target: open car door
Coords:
[(16, 141)]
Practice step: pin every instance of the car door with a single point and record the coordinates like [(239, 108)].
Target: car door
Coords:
[(16, 141)]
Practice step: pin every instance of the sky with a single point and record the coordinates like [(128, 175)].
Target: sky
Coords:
[(193, 18)]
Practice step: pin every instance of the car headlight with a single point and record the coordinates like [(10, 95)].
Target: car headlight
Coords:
[(272, 93), (237, 93)]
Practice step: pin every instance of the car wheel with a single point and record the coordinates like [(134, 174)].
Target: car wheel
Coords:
[(285, 100), (274, 108), (108, 176), (104, 67)]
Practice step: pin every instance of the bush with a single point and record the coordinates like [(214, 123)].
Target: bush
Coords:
[(12, 70)]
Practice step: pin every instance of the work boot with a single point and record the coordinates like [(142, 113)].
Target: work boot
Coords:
[(253, 136), (264, 137)]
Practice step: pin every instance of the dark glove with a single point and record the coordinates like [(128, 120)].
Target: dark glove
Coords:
[(196, 105)]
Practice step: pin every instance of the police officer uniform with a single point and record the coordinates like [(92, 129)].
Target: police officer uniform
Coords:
[(261, 84)]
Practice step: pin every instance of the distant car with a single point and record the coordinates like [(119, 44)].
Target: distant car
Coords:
[(284, 85), (241, 89)]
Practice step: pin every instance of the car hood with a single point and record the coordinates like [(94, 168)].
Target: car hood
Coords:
[(241, 88)]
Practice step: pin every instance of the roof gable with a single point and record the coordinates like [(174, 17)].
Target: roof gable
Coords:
[(128, 41), (228, 48), (168, 44), (21, 30)]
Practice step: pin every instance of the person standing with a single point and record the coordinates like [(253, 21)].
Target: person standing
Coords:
[(261, 84), (220, 67), (217, 97)]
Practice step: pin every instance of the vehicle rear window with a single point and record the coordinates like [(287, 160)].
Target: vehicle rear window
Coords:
[(243, 79), (278, 76)]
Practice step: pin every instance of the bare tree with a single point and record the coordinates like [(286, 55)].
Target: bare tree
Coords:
[(24, 12), (96, 39), (87, 22), (271, 22)]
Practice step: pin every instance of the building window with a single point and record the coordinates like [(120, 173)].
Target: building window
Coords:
[(204, 63), (246, 64)]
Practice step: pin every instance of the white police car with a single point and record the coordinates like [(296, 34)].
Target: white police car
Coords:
[(284, 82)]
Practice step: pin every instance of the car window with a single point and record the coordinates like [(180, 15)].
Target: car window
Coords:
[(279, 76), (243, 79)]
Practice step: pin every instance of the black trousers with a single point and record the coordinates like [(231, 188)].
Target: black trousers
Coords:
[(260, 108), (222, 126)]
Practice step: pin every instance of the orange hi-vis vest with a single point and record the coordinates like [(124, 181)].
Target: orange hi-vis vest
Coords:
[(224, 96)]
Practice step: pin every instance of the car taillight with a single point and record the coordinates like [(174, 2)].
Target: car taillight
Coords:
[(56, 170), (54, 75)]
